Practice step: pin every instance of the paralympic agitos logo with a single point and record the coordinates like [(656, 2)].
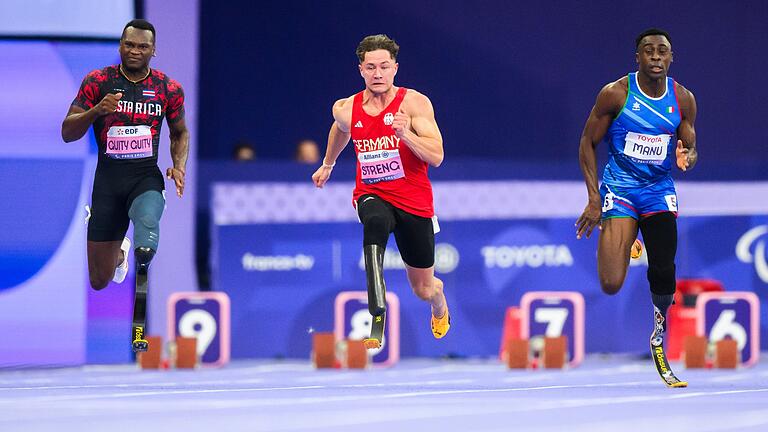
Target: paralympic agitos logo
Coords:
[(746, 253)]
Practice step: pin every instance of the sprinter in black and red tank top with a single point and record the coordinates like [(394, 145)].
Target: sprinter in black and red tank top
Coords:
[(396, 139), (126, 105)]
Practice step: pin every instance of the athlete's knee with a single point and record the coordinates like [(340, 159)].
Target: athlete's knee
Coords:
[(145, 212), (147, 209), (376, 230), (426, 289), (661, 278), (610, 284), (99, 281)]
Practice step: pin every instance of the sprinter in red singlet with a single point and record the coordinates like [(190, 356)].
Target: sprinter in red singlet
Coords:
[(396, 138)]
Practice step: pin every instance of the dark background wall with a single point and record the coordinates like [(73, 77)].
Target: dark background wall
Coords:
[(509, 80)]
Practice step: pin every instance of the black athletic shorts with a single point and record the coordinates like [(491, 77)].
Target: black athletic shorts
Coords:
[(113, 194), (414, 235)]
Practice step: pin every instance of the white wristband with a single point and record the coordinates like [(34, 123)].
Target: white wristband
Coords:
[(325, 165)]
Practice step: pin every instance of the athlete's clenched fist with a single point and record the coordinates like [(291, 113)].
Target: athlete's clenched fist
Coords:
[(108, 105), (401, 123)]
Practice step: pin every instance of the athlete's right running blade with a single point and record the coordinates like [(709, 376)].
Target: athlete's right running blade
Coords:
[(140, 343), (660, 358)]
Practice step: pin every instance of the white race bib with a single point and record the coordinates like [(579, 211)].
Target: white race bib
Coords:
[(380, 165), (649, 149), (129, 142)]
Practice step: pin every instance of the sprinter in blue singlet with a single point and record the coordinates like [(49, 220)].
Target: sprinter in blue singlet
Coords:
[(649, 122)]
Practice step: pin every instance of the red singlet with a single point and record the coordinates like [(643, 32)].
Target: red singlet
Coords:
[(384, 167)]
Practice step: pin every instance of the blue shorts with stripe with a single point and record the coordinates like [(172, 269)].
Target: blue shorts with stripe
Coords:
[(641, 202)]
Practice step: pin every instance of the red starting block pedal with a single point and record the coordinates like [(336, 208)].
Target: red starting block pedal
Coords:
[(151, 359), (324, 350), (727, 355), (555, 352), (357, 354), (694, 354), (516, 353), (186, 353)]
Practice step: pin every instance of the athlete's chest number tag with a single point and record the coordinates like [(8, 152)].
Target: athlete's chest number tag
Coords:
[(647, 149), (380, 165), (129, 142)]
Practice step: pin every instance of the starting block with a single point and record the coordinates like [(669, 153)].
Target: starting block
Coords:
[(516, 352), (699, 353), (185, 353), (694, 354), (727, 355), (327, 353), (357, 354), (547, 330), (152, 358), (324, 350), (552, 355), (182, 353)]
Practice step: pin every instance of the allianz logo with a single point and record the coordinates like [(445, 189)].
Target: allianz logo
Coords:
[(534, 256), (264, 263), (746, 253), (446, 259)]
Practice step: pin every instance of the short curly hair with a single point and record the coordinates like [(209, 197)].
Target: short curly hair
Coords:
[(377, 42)]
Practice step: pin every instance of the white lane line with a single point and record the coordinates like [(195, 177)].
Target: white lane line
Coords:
[(409, 384), (480, 407), (152, 384), (201, 391), (153, 393), (145, 394)]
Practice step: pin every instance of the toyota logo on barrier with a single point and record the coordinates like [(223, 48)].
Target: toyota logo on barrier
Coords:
[(746, 254)]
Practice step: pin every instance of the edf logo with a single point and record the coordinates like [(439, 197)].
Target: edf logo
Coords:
[(746, 253)]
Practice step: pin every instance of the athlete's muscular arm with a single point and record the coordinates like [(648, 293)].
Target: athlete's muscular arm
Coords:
[(415, 125), (686, 133), (179, 153), (609, 102), (78, 120), (338, 138)]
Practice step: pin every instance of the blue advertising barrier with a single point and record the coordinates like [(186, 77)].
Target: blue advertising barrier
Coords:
[(283, 264)]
